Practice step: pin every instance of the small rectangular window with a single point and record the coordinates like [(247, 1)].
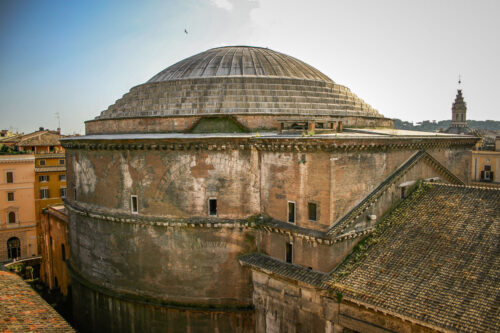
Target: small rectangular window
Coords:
[(291, 212), (44, 178), (133, 204), (289, 253), (61, 162), (10, 176), (62, 178), (10, 196), (63, 252), (312, 208), (44, 193), (41, 162), (74, 194), (62, 192), (403, 192), (212, 207)]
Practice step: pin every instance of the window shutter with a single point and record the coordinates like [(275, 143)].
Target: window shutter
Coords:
[(482, 175), (492, 176)]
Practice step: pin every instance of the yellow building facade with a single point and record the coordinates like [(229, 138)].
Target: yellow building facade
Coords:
[(486, 165), (17, 207), (50, 182)]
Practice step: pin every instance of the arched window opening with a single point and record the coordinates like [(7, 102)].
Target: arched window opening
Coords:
[(14, 248), (12, 217)]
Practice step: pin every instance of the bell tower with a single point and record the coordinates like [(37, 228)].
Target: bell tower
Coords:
[(459, 109), (459, 114)]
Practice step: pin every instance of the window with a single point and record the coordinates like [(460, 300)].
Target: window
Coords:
[(312, 208), (10, 196), (288, 252), (62, 192), (62, 178), (41, 162), (44, 178), (74, 193), (62, 162), (44, 193), (291, 212), (487, 174), (403, 192), (12, 217), (10, 176), (133, 204), (212, 207), (63, 252), (14, 248)]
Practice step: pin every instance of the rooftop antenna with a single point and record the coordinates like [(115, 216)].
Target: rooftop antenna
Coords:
[(58, 121), (459, 79)]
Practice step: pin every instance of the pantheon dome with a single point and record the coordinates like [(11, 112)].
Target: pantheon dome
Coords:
[(237, 81)]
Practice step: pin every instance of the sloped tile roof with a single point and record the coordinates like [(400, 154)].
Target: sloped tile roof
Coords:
[(292, 271), (435, 259), (43, 138), (23, 310)]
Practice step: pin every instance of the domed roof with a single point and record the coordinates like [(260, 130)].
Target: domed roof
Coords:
[(239, 80), (240, 61)]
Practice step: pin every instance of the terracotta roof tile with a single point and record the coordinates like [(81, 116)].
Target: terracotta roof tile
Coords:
[(291, 271), (435, 259), (23, 310)]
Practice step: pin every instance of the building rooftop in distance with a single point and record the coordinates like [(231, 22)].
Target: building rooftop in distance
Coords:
[(23, 310), (434, 260)]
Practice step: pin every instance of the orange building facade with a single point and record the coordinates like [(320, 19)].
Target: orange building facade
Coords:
[(55, 248), (17, 207), (50, 181)]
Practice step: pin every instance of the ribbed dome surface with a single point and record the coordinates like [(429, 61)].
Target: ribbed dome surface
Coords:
[(239, 80), (239, 61)]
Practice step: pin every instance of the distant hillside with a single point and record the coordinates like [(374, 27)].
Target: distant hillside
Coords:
[(431, 126)]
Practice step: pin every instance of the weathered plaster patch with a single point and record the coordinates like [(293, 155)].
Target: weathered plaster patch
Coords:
[(85, 175)]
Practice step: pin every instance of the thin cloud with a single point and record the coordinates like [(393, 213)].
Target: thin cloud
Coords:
[(224, 4)]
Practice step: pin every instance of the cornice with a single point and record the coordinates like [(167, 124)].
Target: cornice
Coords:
[(281, 144), (261, 223)]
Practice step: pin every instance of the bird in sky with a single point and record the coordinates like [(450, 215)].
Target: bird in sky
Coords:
[(185, 31)]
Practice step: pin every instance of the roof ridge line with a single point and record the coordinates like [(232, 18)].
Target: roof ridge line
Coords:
[(466, 186)]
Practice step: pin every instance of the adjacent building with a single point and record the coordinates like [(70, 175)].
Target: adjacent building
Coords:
[(17, 207), (55, 248), (486, 165)]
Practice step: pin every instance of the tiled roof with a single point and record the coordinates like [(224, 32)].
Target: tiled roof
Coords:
[(292, 271), (435, 259), (23, 310), (44, 138)]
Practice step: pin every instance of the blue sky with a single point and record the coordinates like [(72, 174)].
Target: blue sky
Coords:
[(402, 57)]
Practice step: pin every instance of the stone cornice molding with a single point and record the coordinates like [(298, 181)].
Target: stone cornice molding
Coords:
[(280, 144), (283, 228), (16, 159)]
